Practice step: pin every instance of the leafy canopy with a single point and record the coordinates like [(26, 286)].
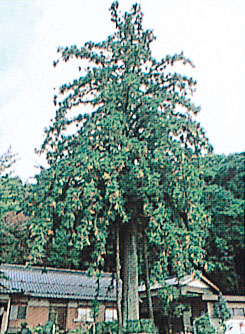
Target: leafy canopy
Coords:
[(133, 157)]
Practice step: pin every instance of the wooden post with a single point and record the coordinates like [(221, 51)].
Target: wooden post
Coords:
[(5, 318)]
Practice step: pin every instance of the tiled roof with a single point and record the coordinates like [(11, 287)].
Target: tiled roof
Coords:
[(55, 283)]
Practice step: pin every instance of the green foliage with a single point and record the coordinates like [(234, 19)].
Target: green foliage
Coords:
[(110, 327), (106, 327), (11, 193), (222, 312), (79, 331), (95, 306), (7, 160), (224, 199), (24, 329), (141, 326), (46, 329), (168, 302), (11, 188), (134, 157), (13, 225), (202, 325), (169, 305)]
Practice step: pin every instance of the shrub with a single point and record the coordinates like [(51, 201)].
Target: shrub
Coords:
[(202, 325), (141, 326)]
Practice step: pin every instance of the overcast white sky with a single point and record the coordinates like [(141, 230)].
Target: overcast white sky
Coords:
[(210, 32)]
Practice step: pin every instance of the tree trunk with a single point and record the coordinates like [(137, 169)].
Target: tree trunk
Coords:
[(130, 274), (118, 270), (147, 278)]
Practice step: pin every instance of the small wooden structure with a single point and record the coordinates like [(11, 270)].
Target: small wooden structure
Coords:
[(65, 297)]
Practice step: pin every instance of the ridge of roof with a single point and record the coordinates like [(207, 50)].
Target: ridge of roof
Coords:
[(50, 269)]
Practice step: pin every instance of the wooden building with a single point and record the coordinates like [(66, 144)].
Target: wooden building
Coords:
[(198, 296), (36, 296)]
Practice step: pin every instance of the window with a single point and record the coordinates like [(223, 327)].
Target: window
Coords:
[(110, 314), (57, 315), (17, 312), (84, 315), (53, 315), (238, 312), (21, 312)]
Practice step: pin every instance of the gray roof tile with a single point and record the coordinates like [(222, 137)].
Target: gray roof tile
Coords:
[(55, 283)]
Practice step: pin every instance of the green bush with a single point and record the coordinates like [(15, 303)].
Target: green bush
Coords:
[(46, 329), (222, 313), (202, 325), (24, 329), (106, 327), (141, 326)]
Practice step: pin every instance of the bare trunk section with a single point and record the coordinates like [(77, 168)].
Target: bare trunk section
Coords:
[(118, 271), (147, 277), (130, 274)]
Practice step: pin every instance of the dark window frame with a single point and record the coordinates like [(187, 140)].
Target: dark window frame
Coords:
[(238, 311)]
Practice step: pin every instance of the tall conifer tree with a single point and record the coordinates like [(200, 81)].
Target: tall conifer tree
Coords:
[(129, 169)]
